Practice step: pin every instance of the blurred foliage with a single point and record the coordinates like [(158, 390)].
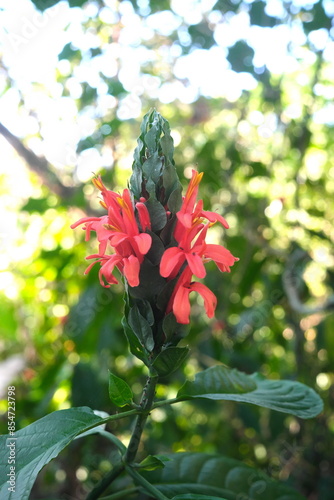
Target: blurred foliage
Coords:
[(267, 155)]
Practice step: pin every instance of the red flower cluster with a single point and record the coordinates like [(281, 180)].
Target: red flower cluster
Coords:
[(124, 229), (120, 229), (192, 250)]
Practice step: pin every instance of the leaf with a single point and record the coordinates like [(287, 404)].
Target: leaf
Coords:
[(214, 476), (37, 444), (153, 462), (222, 383), (141, 328), (119, 391), (136, 347), (157, 249), (153, 135), (146, 311), (193, 496), (169, 360), (175, 200), (150, 282), (157, 214), (152, 167)]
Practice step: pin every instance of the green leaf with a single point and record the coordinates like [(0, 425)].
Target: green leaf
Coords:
[(141, 328), (153, 135), (222, 383), (37, 444), (175, 200), (173, 331), (193, 496), (119, 391), (136, 347), (146, 311), (215, 476), (150, 282), (157, 214), (152, 167), (153, 462), (169, 360)]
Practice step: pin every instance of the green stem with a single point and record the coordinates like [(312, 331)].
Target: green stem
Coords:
[(105, 481), (114, 440), (131, 452), (149, 488), (146, 405), (111, 418), (158, 404)]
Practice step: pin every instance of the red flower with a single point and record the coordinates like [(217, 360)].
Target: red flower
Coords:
[(120, 230), (192, 251), (179, 301)]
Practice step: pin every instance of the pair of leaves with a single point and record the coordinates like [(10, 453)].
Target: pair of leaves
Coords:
[(201, 476)]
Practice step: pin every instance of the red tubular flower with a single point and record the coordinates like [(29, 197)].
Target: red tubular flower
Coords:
[(193, 251), (120, 230), (179, 301)]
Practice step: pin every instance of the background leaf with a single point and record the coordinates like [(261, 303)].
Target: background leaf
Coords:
[(217, 476)]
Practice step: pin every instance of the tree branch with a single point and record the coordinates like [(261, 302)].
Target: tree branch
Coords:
[(38, 165), (291, 283)]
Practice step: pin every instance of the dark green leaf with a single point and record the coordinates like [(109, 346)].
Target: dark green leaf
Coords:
[(136, 347), (167, 145), (141, 328), (214, 476), (119, 391), (221, 383), (37, 444), (157, 249), (193, 496), (170, 359), (152, 167), (150, 282), (175, 200), (157, 214), (145, 310), (173, 329)]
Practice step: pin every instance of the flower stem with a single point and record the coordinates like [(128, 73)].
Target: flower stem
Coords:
[(146, 405), (145, 484)]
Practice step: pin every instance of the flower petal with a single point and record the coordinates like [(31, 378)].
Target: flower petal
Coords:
[(222, 257), (144, 242), (196, 264), (131, 270), (171, 261), (107, 270), (181, 305), (214, 217), (210, 300)]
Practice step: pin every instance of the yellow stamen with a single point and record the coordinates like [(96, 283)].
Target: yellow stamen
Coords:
[(97, 181), (109, 226)]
